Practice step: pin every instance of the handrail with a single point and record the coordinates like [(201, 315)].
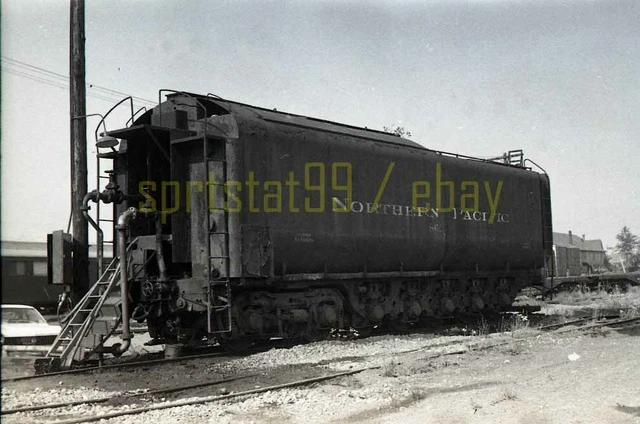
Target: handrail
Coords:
[(134, 115), (131, 244), (101, 122), (191, 96), (111, 110), (539, 167)]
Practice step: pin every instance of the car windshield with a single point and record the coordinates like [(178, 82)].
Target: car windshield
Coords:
[(22, 316)]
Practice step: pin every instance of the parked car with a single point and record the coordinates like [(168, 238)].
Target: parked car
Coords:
[(25, 331)]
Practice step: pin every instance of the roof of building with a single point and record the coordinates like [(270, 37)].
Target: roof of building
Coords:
[(564, 240), (37, 249)]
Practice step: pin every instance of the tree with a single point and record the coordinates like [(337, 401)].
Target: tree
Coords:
[(628, 247), (399, 131), (607, 262)]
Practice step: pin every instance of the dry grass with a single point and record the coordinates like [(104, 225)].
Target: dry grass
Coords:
[(484, 327), (631, 312), (596, 303), (513, 347), (390, 369), (475, 406), (508, 394), (514, 323), (601, 298)]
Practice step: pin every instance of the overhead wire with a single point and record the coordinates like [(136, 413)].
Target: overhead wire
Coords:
[(57, 84), (39, 74)]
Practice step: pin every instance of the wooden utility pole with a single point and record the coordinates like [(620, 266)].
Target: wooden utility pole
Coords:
[(78, 151)]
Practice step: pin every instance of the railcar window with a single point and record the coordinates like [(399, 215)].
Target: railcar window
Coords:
[(40, 268), (20, 268)]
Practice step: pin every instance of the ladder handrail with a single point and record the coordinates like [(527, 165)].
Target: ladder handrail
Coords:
[(68, 352), (88, 321), (76, 311), (87, 294), (84, 298)]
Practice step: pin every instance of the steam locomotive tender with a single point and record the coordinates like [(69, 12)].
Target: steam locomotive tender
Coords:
[(253, 223)]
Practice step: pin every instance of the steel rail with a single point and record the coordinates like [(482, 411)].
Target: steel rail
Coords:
[(213, 398), (602, 324), (478, 346), (125, 396), (109, 366), (575, 321)]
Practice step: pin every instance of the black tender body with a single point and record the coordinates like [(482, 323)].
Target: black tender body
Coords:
[(266, 238)]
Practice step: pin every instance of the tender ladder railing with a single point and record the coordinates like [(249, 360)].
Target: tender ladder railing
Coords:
[(66, 345)]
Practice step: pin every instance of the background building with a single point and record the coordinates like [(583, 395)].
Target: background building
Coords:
[(576, 255)]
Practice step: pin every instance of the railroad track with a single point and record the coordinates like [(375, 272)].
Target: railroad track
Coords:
[(114, 366), (604, 321), (463, 349), (126, 396), (177, 403)]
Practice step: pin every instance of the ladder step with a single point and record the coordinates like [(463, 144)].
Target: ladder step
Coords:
[(218, 257), (220, 308), (105, 220), (220, 232), (71, 344), (107, 155)]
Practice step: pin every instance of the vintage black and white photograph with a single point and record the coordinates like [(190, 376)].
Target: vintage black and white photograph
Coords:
[(320, 211)]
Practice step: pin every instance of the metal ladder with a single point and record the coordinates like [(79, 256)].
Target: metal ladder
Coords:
[(218, 304), (515, 158), (70, 344), (512, 157), (111, 155)]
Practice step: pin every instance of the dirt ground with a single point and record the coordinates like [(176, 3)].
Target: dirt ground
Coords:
[(522, 375)]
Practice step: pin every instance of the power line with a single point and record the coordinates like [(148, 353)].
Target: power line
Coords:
[(57, 84), (41, 72), (38, 69), (54, 83)]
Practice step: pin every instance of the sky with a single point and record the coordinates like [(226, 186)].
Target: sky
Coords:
[(558, 79)]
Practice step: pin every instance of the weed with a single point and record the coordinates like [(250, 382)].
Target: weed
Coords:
[(513, 347), (514, 323), (390, 369), (417, 395), (596, 314), (475, 406), (484, 327), (507, 395), (630, 312)]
